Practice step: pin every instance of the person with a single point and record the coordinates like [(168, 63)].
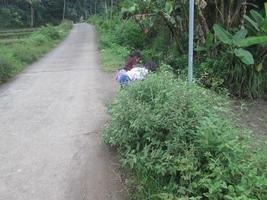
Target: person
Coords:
[(138, 72), (132, 60)]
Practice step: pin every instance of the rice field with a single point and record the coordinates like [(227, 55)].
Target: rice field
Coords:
[(15, 35)]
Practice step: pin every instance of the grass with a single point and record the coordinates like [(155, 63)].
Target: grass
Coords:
[(112, 54), (110, 60), (19, 30), (16, 53), (16, 33)]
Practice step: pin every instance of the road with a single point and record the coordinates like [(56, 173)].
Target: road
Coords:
[(51, 116)]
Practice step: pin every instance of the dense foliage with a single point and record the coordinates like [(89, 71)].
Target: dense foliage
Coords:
[(230, 40), (17, 53), (182, 143)]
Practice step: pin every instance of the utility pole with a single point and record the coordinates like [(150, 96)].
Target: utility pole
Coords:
[(191, 41)]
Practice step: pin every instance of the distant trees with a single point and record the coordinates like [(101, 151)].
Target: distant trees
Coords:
[(23, 13)]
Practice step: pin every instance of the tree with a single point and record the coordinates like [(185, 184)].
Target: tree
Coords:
[(33, 4), (64, 10)]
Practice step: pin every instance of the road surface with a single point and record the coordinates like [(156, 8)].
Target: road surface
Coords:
[(51, 116)]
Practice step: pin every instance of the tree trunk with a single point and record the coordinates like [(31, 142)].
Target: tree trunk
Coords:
[(90, 9), (64, 10), (106, 9), (95, 7), (111, 12), (32, 16)]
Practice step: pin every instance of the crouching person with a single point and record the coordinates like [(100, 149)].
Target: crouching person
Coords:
[(136, 73)]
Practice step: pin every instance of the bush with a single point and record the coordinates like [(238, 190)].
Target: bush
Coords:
[(6, 69), (182, 143), (129, 34), (25, 53), (11, 17), (39, 39), (50, 32)]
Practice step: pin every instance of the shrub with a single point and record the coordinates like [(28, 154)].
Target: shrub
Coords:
[(129, 34), (25, 53), (10, 17), (6, 68), (182, 143), (39, 39), (50, 32)]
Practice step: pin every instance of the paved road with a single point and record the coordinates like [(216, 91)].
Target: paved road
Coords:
[(50, 118)]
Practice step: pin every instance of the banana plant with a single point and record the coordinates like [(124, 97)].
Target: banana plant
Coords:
[(238, 42), (257, 23), (171, 12)]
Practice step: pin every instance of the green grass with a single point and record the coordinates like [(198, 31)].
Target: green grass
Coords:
[(9, 41), (14, 34), (19, 30), (111, 60), (16, 53), (112, 54)]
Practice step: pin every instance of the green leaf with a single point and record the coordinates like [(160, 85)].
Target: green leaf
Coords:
[(249, 41), (240, 35), (168, 8), (252, 23), (264, 26), (265, 5), (210, 40), (223, 35), (257, 16), (133, 8), (245, 56)]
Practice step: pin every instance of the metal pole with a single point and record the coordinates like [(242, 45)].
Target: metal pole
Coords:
[(191, 42)]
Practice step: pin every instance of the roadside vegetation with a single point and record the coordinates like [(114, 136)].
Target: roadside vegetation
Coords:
[(180, 142), (113, 54), (236, 34), (21, 47)]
